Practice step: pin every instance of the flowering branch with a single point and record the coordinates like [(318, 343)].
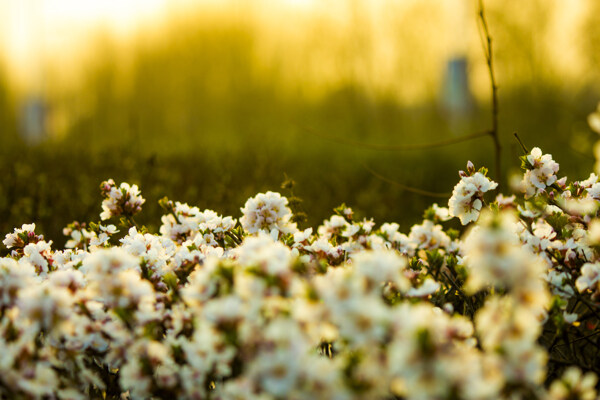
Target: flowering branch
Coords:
[(488, 53)]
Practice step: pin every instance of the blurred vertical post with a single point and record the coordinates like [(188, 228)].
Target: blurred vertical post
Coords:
[(456, 97), (33, 108)]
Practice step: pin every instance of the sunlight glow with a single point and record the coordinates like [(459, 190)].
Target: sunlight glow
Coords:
[(395, 46), (301, 3), (32, 31), (121, 14)]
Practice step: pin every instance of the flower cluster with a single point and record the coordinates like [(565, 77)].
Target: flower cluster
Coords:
[(540, 174), (82, 237), (21, 238), (467, 196), (256, 308), (265, 212), (124, 200)]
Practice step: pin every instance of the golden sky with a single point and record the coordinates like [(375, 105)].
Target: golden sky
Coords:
[(31, 30), (371, 35)]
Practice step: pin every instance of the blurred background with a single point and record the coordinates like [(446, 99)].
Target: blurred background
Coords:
[(212, 101)]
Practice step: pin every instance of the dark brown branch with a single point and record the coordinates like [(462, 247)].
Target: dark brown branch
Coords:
[(466, 299), (525, 150), (586, 337), (387, 147), (487, 48), (405, 187)]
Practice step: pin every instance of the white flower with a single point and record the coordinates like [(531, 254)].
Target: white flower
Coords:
[(542, 174), (13, 277), (364, 323), (506, 327), (302, 236), (428, 287), (590, 276), (390, 231), (441, 213), (428, 236), (187, 222), (265, 311), (108, 261), (323, 247), (155, 251), (183, 225), (496, 257), (467, 196), (574, 384), (558, 282), (224, 309), (504, 201), (380, 267), (594, 190), (589, 181), (78, 238), (267, 211), (332, 226), (41, 381), (570, 318), (593, 232), (276, 372), (45, 304), (262, 252), (126, 289), (15, 239), (123, 200), (38, 255), (584, 206)]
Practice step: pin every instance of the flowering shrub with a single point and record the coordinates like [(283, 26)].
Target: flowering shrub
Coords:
[(218, 308)]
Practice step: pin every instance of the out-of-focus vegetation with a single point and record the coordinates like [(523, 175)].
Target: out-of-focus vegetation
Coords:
[(212, 109)]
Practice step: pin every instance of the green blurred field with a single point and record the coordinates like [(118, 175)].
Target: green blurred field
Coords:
[(200, 120)]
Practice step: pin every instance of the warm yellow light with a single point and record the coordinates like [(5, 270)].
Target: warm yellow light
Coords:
[(399, 47), (301, 3), (33, 32), (121, 14)]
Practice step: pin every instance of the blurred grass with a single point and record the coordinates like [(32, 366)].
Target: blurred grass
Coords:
[(57, 181), (200, 120)]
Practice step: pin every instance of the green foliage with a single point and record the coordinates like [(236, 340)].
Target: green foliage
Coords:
[(558, 222), (172, 130)]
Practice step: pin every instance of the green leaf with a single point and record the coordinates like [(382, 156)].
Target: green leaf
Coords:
[(558, 222), (415, 264), (170, 279), (453, 234), (525, 164), (429, 214), (435, 259)]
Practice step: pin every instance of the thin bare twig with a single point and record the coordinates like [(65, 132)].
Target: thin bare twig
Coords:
[(387, 147), (467, 300), (521, 143), (493, 133), (489, 57), (405, 187), (579, 339)]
